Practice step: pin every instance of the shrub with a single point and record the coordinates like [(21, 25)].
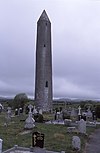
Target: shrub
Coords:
[(38, 118), (97, 111)]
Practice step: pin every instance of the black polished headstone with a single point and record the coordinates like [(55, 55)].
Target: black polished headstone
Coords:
[(37, 139)]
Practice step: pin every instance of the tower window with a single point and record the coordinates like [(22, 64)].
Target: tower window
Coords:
[(44, 45), (46, 24), (46, 84)]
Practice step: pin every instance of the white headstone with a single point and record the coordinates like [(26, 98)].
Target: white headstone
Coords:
[(1, 145), (79, 110), (40, 111), (9, 113), (29, 123), (34, 110), (30, 108), (73, 113), (89, 113), (1, 106), (76, 143), (82, 126)]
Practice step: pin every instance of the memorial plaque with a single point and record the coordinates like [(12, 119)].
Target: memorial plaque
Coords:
[(38, 139)]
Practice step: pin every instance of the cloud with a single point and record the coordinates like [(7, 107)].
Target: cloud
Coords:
[(75, 46), (65, 88)]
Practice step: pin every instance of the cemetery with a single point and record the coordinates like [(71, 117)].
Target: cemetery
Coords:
[(40, 125), (62, 130)]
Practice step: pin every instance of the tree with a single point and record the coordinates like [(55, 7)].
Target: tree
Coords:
[(20, 100)]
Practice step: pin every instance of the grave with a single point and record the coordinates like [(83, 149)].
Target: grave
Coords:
[(1, 108), (84, 114), (37, 139), (73, 115), (94, 115), (76, 143), (79, 113), (18, 149), (34, 110), (40, 111), (89, 116), (8, 114), (71, 129), (67, 122), (58, 116), (29, 123), (20, 110), (1, 145), (82, 126)]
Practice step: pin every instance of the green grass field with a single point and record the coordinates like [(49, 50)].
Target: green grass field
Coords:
[(56, 137)]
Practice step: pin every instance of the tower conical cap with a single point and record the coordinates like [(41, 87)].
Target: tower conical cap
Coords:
[(44, 16)]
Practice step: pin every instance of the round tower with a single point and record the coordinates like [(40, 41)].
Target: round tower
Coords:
[(43, 74)]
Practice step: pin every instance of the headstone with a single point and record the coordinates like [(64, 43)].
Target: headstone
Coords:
[(76, 143), (67, 122), (1, 107), (57, 115), (82, 126), (8, 113), (84, 116), (94, 115), (79, 112), (34, 110), (71, 129), (37, 140), (61, 116), (40, 111), (91, 124), (89, 115), (29, 123), (1, 145), (30, 108), (73, 115)]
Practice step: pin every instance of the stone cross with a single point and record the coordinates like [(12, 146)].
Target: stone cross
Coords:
[(30, 108), (29, 123), (79, 110)]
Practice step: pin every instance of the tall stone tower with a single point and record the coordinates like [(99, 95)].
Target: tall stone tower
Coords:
[(43, 74)]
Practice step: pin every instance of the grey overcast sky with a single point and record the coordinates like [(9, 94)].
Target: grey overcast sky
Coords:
[(75, 46)]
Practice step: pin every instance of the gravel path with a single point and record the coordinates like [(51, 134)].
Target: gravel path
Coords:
[(93, 146)]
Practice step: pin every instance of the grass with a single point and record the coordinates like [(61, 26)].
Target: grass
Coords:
[(56, 137)]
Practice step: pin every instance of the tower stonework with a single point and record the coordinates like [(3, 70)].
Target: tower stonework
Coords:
[(43, 74)]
